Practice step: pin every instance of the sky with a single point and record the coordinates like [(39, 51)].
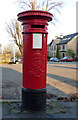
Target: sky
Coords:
[(66, 20)]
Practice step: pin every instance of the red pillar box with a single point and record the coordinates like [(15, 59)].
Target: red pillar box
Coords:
[(34, 58)]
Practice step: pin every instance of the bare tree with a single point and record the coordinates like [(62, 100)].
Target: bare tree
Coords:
[(14, 28), (45, 5), (18, 54), (8, 49)]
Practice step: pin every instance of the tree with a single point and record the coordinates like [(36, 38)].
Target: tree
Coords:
[(45, 5), (18, 54), (8, 49), (14, 28), (70, 53), (48, 57), (57, 52)]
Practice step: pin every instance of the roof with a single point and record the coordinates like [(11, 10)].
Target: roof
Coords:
[(66, 38), (50, 43)]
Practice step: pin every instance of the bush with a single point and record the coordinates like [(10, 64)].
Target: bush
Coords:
[(70, 53), (48, 57), (57, 52), (76, 59)]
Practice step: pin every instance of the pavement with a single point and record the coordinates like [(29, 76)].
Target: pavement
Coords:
[(61, 86), (54, 110)]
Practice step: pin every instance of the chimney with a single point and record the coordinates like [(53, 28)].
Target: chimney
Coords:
[(61, 36), (56, 37)]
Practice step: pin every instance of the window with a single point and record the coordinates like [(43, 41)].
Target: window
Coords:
[(54, 47), (54, 54), (50, 54), (63, 47), (59, 47), (50, 48)]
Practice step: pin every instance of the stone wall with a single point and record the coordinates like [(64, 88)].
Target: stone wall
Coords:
[(72, 45)]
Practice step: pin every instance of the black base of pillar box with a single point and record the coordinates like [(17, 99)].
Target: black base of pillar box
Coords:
[(34, 100)]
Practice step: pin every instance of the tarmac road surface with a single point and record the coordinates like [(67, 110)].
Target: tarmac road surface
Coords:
[(61, 80)]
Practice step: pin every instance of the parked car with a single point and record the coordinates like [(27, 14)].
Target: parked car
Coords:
[(12, 59), (67, 59), (54, 59), (19, 59)]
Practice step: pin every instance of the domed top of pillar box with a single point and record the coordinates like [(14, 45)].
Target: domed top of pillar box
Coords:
[(34, 14), (34, 20)]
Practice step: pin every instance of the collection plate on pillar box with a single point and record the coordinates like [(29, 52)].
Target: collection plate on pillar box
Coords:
[(37, 40)]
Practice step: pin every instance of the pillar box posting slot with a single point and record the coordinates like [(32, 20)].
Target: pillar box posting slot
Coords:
[(34, 58)]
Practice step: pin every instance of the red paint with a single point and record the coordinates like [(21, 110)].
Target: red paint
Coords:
[(34, 60)]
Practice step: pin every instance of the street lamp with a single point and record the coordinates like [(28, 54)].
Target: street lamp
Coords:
[(13, 51)]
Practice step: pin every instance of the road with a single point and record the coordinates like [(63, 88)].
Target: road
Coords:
[(61, 80)]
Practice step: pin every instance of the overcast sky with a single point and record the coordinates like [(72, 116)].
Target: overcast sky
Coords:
[(66, 20)]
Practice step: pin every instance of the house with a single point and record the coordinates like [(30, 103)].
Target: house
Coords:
[(65, 42), (52, 49)]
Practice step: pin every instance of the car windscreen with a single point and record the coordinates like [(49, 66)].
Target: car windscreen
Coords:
[(65, 57)]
